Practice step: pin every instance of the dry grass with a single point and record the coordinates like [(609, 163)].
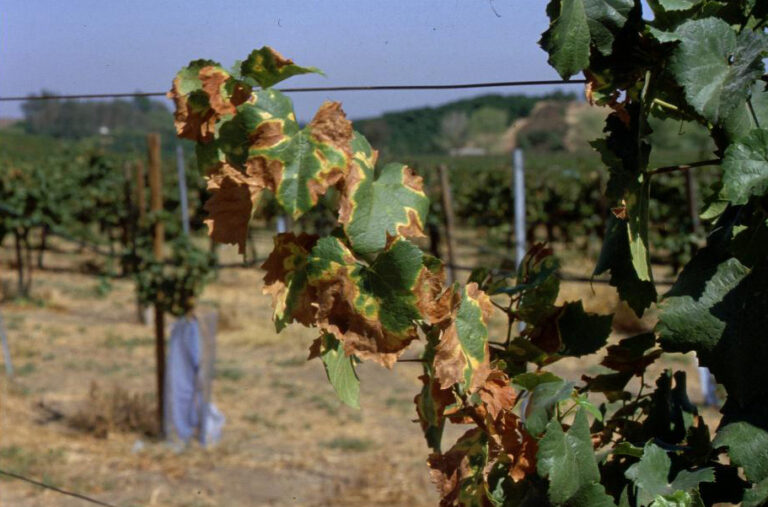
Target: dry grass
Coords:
[(116, 410)]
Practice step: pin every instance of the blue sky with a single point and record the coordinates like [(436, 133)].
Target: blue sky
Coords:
[(90, 46)]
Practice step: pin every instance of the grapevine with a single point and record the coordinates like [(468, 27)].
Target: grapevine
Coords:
[(370, 292)]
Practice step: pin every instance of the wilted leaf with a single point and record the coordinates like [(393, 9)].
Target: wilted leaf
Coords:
[(434, 300), (459, 473), (299, 165), (462, 355), (625, 152), (256, 122), (230, 207), (286, 279), (391, 204), (371, 309), (496, 394), (511, 446), (432, 401), (267, 67), (203, 92)]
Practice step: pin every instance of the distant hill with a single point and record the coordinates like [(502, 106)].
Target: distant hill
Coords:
[(476, 123)]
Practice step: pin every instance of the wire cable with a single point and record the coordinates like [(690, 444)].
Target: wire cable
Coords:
[(496, 84), (54, 488)]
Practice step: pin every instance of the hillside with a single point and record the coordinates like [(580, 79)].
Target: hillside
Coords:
[(476, 122)]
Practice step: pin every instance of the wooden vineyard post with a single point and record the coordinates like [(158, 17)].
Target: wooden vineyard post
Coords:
[(158, 237), (139, 217), (184, 201), (141, 197), (129, 221), (445, 191)]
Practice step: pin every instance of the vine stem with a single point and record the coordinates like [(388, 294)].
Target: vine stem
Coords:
[(752, 112), (684, 167), (472, 414), (500, 307)]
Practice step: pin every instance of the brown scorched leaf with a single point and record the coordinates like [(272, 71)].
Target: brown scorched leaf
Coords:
[(459, 472), (371, 309), (462, 356), (230, 207), (285, 279), (203, 92), (299, 165)]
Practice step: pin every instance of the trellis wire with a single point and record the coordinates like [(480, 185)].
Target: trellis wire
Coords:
[(353, 88), (54, 488)]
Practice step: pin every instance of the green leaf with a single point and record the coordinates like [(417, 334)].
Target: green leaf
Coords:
[(428, 406), (757, 495), (393, 203), (741, 122), (670, 413), (678, 499), (716, 66), (677, 5), (340, 369), (627, 449), (567, 39), (605, 18), (267, 67), (541, 402), (747, 447), (625, 152), (537, 278), (567, 459), (651, 473), (577, 24), (705, 312), (583, 402), (637, 227), (582, 333), (615, 256), (592, 495), (530, 380), (745, 168)]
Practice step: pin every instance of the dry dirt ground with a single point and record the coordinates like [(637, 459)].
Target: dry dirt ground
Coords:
[(287, 439)]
